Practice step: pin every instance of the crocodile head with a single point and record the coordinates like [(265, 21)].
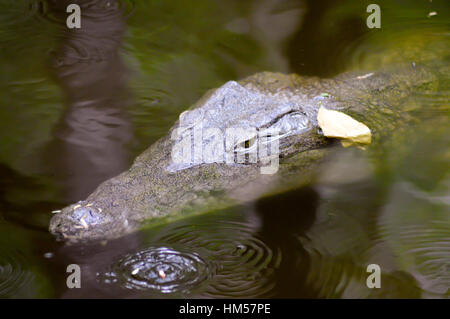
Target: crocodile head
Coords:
[(269, 108), (238, 119), (87, 221)]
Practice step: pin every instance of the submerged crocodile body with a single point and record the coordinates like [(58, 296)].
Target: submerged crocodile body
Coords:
[(278, 109)]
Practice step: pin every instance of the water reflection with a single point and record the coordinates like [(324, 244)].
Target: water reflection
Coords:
[(93, 133), (30, 213), (284, 217), (334, 37), (233, 253), (95, 262), (421, 238), (314, 48), (20, 273), (245, 263)]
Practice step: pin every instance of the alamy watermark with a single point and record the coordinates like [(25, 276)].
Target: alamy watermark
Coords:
[(374, 19), (196, 144), (73, 21), (74, 279), (374, 279)]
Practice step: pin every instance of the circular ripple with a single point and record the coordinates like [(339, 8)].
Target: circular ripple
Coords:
[(160, 269), (245, 263), (430, 249), (13, 276), (416, 226)]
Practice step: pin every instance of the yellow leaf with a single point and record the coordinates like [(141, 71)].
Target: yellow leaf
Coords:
[(336, 124)]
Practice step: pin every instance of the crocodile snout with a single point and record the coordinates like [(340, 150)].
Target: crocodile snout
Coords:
[(75, 221)]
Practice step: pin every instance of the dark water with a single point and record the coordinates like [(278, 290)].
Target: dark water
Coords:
[(76, 107)]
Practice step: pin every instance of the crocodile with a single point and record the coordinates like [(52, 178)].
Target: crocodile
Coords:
[(265, 109)]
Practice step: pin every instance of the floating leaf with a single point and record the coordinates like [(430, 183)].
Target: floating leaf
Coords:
[(339, 125)]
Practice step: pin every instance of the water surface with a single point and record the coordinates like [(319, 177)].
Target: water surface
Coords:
[(76, 107)]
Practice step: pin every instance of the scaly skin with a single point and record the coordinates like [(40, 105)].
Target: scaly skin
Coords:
[(149, 191)]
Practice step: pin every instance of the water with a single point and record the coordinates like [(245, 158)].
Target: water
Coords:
[(76, 107)]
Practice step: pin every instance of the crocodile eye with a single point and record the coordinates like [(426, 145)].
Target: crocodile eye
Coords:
[(250, 143), (246, 144)]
